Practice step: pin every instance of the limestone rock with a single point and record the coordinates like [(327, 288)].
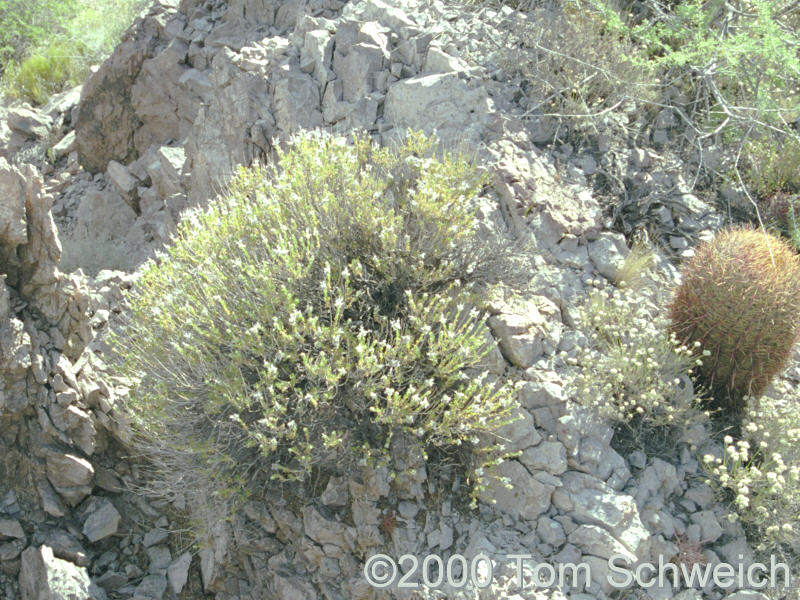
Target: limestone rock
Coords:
[(12, 206), (318, 51), (102, 522), (325, 531), (30, 252), (122, 179), (104, 215), (550, 531), (590, 501), (657, 482), (15, 360), (152, 587), (77, 422), (357, 69), (107, 119), (66, 546), (547, 456), (746, 595), (158, 90), (164, 166), (178, 572), (519, 335), (438, 61), (212, 558), (160, 559), (29, 123), (45, 577), (51, 502), (70, 475), (11, 528), (155, 536), (546, 392), (520, 433), (596, 541), (292, 588), (65, 146), (297, 102), (441, 102), (335, 493), (709, 526), (608, 253), (527, 499)]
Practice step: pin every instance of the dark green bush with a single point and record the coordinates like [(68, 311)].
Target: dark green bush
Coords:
[(313, 316)]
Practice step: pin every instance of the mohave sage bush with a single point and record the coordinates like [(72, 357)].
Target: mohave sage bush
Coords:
[(318, 314)]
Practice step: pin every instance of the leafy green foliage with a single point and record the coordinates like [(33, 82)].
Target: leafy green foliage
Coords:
[(313, 317), (45, 73), (771, 172), (728, 73), (772, 164), (49, 45), (29, 23), (746, 54), (740, 299)]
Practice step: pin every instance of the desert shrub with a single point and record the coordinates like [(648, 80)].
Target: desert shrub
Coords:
[(695, 32), (771, 164), (65, 42), (727, 75), (759, 476), (780, 214), (739, 298), (634, 374), (770, 167), (45, 73), (735, 65), (309, 319), (573, 63), (28, 23)]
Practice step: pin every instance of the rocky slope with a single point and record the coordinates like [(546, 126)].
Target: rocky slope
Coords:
[(198, 87)]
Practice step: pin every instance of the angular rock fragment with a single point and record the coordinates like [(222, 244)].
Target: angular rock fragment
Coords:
[(44, 577), (102, 522)]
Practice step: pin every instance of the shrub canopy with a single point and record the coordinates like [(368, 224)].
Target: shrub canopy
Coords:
[(313, 316)]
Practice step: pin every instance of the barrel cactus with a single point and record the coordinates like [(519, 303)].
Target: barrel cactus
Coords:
[(739, 304)]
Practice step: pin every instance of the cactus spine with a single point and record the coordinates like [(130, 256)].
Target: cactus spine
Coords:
[(740, 299)]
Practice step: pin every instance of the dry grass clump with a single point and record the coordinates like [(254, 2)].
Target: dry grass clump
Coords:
[(632, 273), (47, 46), (573, 63)]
